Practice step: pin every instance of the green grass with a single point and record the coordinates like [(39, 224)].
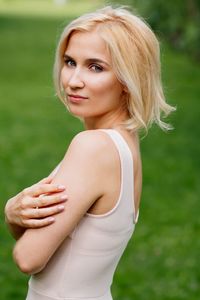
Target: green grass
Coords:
[(161, 261), (46, 8)]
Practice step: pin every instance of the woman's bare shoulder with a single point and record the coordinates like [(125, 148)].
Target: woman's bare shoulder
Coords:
[(89, 138), (91, 143)]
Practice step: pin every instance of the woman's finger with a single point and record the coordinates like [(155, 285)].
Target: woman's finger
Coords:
[(37, 223), (38, 189), (48, 200), (36, 213), (46, 180)]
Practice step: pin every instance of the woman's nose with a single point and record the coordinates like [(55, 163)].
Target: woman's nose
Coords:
[(75, 80)]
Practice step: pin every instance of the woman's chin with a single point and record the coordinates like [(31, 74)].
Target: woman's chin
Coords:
[(77, 113)]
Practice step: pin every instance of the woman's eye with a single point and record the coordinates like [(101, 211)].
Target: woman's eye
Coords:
[(96, 68), (70, 62)]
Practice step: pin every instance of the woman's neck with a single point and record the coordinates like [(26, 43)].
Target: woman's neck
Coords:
[(105, 121)]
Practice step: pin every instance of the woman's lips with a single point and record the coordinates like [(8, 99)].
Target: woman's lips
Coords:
[(76, 98)]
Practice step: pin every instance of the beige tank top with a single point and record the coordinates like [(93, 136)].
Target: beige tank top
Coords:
[(83, 266)]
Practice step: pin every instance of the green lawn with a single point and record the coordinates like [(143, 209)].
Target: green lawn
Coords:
[(161, 261), (47, 8)]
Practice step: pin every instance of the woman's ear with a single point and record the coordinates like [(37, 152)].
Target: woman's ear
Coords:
[(125, 89)]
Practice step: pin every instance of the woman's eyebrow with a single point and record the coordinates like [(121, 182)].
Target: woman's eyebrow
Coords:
[(67, 56), (97, 60)]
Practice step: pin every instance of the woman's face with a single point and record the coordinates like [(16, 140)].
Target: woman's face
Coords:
[(91, 87)]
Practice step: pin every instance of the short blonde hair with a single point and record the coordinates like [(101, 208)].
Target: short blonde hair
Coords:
[(135, 55)]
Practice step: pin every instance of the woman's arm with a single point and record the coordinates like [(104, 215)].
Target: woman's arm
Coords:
[(20, 210), (83, 172)]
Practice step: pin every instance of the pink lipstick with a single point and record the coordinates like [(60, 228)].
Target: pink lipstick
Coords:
[(76, 98)]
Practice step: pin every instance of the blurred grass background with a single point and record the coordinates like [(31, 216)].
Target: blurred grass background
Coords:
[(162, 259)]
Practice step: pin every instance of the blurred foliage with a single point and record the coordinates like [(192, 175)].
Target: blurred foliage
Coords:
[(47, 8), (177, 21)]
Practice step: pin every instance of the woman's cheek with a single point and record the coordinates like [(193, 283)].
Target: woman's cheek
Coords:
[(64, 76), (100, 84)]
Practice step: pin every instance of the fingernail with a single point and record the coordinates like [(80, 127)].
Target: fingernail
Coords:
[(61, 187), (51, 219), (60, 207), (63, 197)]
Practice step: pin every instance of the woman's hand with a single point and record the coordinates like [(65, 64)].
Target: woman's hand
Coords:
[(35, 206)]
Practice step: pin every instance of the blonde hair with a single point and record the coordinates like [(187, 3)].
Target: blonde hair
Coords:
[(135, 55)]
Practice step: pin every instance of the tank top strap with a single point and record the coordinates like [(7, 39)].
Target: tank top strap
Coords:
[(127, 170)]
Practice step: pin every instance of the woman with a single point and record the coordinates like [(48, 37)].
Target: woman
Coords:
[(107, 72)]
